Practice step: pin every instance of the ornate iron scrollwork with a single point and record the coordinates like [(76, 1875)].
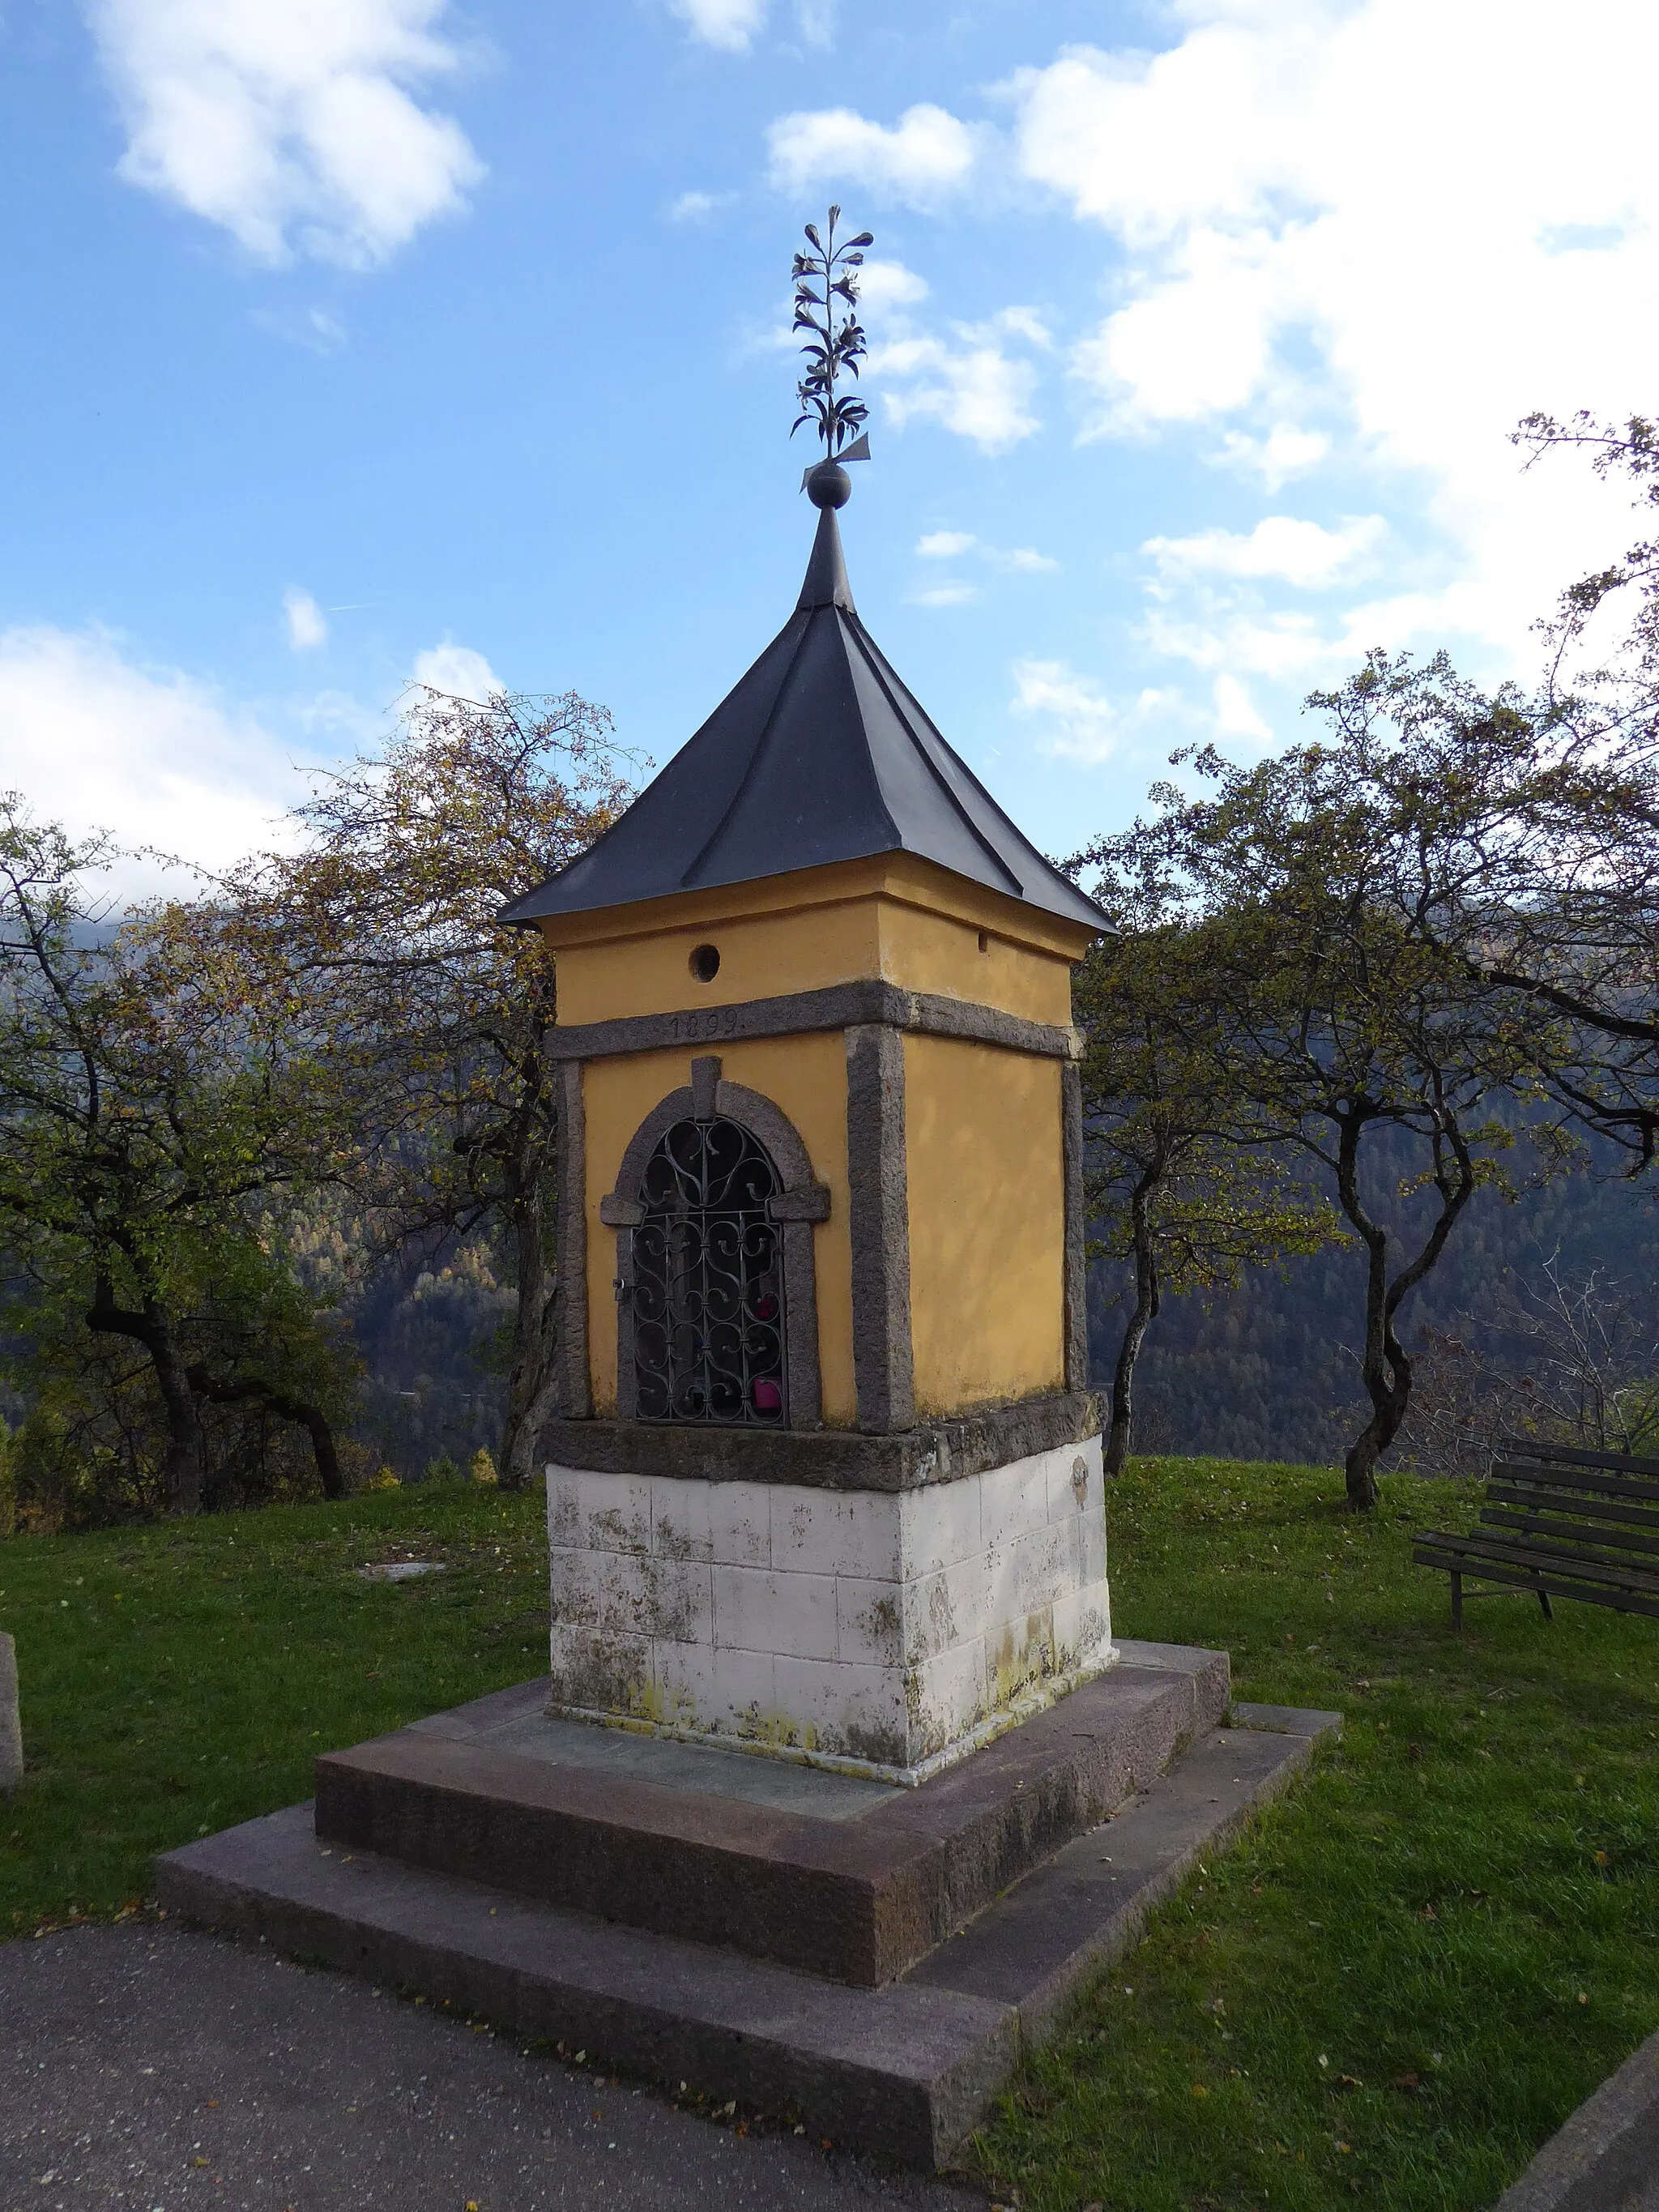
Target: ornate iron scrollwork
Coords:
[(708, 1281)]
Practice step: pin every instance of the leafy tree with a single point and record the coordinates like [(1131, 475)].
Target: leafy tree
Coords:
[(274, 1382), (150, 1106), (382, 929), (1182, 1190), (1344, 995)]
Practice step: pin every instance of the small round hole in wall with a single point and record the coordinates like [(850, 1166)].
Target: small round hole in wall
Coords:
[(705, 962), (985, 940)]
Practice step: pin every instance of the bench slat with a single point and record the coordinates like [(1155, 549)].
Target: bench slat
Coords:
[(1559, 1558), (1622, 1603), (1596, 1537), (1542, 1498), (1563, 1478), (1570, 1455)]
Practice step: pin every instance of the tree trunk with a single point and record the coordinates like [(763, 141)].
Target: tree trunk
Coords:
[(533, 1381), (287, 1408), (182, 1466), (1385, 1367), (1120, 1434)]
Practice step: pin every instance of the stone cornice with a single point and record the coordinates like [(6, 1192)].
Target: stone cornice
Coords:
[(829, 1459), (838, 1007)]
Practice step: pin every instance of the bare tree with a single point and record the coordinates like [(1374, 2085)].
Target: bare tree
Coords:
[(1557, 1358)]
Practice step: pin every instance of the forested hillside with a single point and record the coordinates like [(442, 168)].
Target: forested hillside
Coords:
[(1269, 1370)]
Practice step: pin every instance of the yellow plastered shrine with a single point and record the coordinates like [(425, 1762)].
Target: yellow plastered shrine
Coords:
[(820, 1234)]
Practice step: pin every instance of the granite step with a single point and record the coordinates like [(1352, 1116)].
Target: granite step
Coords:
[(844, 1877), (906, 2071)]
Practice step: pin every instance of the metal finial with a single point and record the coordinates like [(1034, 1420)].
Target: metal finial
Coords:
[(824, 277)]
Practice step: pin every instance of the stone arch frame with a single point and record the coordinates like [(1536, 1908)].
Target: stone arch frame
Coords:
[(800, 1200)]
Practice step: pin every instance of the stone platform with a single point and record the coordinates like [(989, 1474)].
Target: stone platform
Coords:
[(875, 1958)]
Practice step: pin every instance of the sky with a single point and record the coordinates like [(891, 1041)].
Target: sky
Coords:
[(350, 343)]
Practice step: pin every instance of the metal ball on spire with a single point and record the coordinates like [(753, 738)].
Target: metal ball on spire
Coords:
[(828, 484)]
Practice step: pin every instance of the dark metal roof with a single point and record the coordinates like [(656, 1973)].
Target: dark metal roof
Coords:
[(819, 754)]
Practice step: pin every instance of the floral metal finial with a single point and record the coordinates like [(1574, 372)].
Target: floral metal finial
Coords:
[(826, 301)]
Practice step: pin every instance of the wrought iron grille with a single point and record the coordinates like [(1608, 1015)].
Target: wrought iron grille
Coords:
[(708, 1288)]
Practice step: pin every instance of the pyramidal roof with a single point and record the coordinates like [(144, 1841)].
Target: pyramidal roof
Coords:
[(819, 754)]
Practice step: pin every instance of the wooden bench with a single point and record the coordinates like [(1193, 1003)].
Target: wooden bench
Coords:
[(1562, 1524)]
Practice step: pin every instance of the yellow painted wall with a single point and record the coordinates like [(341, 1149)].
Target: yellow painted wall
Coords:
[(987, 1223), (953, 955), (896, 919), (806, 1078)]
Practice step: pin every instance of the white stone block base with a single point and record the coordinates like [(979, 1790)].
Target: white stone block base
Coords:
[(884, 1631)]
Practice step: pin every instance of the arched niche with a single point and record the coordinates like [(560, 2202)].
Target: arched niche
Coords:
[(796, 1201)]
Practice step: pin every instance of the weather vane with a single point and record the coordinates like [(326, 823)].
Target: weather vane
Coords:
[(826, 305)]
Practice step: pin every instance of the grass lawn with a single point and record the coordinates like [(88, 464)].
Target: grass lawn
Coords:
[(1390, 1992)]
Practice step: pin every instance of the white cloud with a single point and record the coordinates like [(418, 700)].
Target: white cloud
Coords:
[(697, 207), (294, 124), (971, 386), (1235, 712), (951, 544), (457, 669), (94, 741), (956, 594), (1309, 217), (969, 382), (1285, 645), (1024, 560), (1304, 554), (308, 625), (1081, 721), (1284, 452), (731, 25), (815, 20), (888, 288), (921, 160), (317, 332)]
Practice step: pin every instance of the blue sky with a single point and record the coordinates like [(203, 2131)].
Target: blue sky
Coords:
[(349, 341)]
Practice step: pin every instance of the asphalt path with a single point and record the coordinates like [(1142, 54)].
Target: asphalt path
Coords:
[(160, 2071)]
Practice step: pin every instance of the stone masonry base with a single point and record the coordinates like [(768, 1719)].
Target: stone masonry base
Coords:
[(885, 1630)]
